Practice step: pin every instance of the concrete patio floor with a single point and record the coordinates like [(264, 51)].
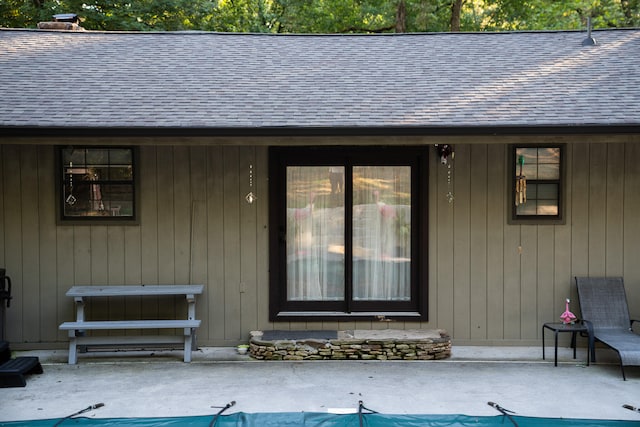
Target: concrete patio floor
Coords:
[(159, 384)]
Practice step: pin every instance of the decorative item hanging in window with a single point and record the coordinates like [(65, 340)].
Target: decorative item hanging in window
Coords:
[(521, 184), (446, 155)]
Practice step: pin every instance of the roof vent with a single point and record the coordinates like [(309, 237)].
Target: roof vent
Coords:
[(589, 41), (62, 21)]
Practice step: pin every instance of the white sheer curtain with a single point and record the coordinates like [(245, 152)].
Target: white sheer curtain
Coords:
[(315, 233), (381, 233), (381, 230)]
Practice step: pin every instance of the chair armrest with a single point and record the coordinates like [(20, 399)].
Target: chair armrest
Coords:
[(588, 324)]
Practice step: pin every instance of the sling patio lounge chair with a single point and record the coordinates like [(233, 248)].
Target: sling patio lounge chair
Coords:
[(603, 304)]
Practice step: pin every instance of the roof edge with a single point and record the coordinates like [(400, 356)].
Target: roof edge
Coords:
[(337, 35), (173, 132)]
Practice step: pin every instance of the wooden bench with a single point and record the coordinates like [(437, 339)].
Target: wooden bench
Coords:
[(77, 329)]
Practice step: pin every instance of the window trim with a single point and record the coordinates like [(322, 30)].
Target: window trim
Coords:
[(513, 218), (97, 220), (282, 310)]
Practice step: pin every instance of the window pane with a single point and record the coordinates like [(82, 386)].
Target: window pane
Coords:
[(97, 173), (549, 155), (381, 233), (532, 192), (89, 182), (528, 208), (547, 207), (542, 199), (549, 171), (315, 233), (530, 155), (79, 197), (97, 156), (120, 173), (548, 191), (73, 156), (120, 156), (117, 199), (530, 171)]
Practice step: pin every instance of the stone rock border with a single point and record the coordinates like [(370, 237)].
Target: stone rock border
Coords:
[(387, 344)]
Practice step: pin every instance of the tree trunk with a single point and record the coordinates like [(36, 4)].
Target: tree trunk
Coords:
[(456, 8), (401, 18)]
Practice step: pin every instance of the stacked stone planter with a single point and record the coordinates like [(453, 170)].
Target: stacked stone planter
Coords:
[(385, 344)]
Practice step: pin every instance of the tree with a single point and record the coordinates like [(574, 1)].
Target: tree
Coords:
[(20, 14), (336, 16), (141, 15), (254, 16), (456, 10), (401, 18), (564, 15), (328, 16)]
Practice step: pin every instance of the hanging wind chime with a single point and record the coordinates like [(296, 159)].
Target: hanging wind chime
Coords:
[(250, 197), (521, 184), (71, 199), (446, 154)]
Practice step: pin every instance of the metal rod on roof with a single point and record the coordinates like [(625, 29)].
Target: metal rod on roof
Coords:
[(589, 41)]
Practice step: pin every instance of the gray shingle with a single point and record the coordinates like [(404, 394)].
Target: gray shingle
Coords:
[(50, 78)]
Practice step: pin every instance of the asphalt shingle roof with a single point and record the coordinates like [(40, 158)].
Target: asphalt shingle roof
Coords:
[(240, 81)]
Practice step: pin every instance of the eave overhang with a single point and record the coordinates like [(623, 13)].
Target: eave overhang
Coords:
[(396, 131)]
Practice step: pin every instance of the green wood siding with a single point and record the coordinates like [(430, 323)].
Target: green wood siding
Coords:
[(490, 282)]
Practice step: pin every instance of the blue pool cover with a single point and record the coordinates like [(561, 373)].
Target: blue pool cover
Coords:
[(317, 419)]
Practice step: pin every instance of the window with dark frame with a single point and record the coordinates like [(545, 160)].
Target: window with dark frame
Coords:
[(348, 232), (537, 184), (97, 183)]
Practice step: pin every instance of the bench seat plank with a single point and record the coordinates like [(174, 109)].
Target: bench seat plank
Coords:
[(74, 340), (130, 324), (133, 290)]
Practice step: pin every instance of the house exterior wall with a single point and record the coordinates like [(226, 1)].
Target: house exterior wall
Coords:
[(489, 282)]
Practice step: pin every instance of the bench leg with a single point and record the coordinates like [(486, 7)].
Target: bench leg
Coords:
[(73, 348), (188, 339)]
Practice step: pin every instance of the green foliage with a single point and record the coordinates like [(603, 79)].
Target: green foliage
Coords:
[(254, 16), (336, 16), (560, 15), (21, 14), (428, 16), (324, 16)]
